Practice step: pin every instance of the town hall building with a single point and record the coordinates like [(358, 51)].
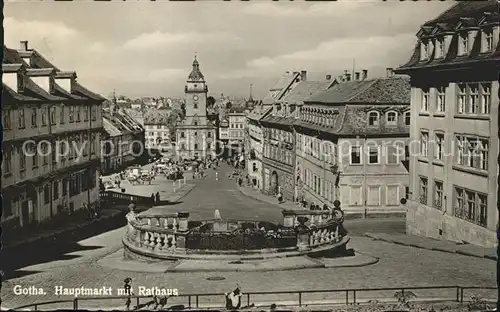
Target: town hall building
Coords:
[(195, 133)]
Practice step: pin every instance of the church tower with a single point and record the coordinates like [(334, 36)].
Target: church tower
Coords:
[(195, 134)]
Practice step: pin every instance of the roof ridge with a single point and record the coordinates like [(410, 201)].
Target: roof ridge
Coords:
[(344, 115), (362, 90)]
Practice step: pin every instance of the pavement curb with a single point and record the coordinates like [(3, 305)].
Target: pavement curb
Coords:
[(440, 249)]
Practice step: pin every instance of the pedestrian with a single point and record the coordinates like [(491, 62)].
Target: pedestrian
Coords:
[(280, 197), (157, 198), (128, 291), (153, 198), (240, 181)]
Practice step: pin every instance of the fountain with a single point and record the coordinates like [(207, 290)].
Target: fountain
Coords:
[(172, 236)]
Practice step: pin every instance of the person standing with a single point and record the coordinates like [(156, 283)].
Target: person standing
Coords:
[(128, 291)]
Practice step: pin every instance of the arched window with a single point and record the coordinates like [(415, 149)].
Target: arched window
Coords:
[(392, 118), (373, 118), (407, 118)]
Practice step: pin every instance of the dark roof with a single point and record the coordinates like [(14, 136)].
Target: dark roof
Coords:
[(237, 110), (157, 117), (304, 90), (281, 85), (468, 13), (391, 90), (195, 72), (82, 91), (472, 9), (355, 121), (11, 56)]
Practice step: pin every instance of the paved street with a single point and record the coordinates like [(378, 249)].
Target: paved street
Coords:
[(398, 265)]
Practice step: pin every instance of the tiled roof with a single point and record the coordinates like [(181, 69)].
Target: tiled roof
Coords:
[(111, 129), (473, 9), (465, 12), (11, 56), (304, 90), (237, 110), (82, 91), (59, 91), (157, 117), (9, 95), (393, 90), (355, 121), (281, 85)]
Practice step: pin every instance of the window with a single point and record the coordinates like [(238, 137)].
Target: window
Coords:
[(423, 191), (6, 118), (392, 195), (438, 195), (439, 48), (472, 152), (195, 134), (424, 51), (425, 100), (473, 103), (182, 135), (487, 45), (407, 118), (424, 141), (34, 157), (355, 196), (46, 194), (209, 134), (195, 123), (22, 160), (93, 111), (86, 113), (374, 195), (52, 117), (44, 117), (392, 118), (7, 159), (373, 119), (78, 118), (441, 99), (33, 118), (61, 114), (196, 146), (373, 155), (355, 155), (92, 144), (471, 206), (209, 145), (462, 98), (439, 146), (485, 98), (71, 114), (463, 44), (195, 105), (55, 190), (392, 155), (21, 120)]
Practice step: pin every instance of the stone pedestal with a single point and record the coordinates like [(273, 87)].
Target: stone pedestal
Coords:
[(180, 241), (220, 226), (183, 220), (288, 219)]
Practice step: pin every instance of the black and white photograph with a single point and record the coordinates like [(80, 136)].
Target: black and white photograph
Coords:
[(250, 156)]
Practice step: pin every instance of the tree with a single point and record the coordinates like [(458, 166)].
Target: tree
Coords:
[(210, 102), (228, 105)]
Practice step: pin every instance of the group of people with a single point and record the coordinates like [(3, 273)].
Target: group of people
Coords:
[(92, 212), (155, 198)]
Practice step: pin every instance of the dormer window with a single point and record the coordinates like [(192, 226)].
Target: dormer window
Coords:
[(424, 50), (439, 47), (487, 44), (407, 118), (373, 118), (463, 43), (392, 118)]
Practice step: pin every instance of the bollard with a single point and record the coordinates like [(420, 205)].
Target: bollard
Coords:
[(184, 180), (179, 183), (173, 184)]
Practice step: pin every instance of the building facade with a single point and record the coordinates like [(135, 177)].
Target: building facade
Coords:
[(195, 133), (51, 140), (351, 142), (236, 118), (158, 129), (123, 140), (454, 83), (254, 134)]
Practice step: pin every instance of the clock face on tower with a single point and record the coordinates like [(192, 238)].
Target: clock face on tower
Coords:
[(195, 97)]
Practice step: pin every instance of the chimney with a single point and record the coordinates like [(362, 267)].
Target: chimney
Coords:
[(364, 74), (328, 77), (295, 73), (24, 45), (303, 75), (389, 71), (347, 77), (356, 76)]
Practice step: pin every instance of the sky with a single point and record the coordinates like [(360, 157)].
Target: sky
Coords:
[(147, 48)]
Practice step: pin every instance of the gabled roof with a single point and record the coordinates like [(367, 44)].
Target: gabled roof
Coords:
[(304, 90), (472, 9), (392, 90)]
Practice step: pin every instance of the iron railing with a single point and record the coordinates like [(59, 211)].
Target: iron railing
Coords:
[(350, 297)]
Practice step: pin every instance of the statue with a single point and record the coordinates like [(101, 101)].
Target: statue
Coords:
[(217, 215), (131, 218)]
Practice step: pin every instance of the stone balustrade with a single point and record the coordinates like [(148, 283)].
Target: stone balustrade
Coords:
[(316, 217), (164, 233)]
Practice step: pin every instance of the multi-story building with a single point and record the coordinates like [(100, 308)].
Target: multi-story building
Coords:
[(236, 119), (157, 124), (280, 134), (196, 137), (351, 142), (454, 86), (224, 131), (123, 139), (254, 137), (51, 140)]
